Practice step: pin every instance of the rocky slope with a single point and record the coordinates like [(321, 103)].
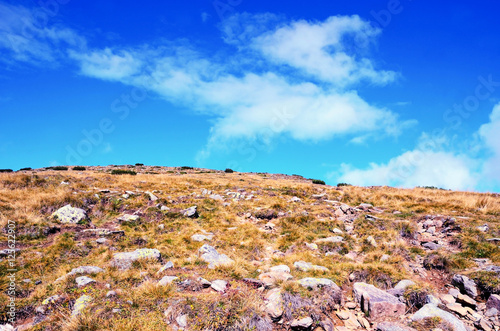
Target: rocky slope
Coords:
[(196, 249)]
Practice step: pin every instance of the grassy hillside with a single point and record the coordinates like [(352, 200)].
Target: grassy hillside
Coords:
[(258, 221)]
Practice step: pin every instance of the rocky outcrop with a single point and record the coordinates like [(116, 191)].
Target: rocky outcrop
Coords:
[(68, 214), (125, 260), (377, 303)]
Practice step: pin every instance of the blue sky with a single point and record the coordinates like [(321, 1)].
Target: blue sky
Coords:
[(401, 93)]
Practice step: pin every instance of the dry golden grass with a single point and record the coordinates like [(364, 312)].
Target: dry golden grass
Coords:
[(30, 198)]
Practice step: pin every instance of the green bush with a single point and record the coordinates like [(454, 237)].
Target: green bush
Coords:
[(58, 168), (343, 184), (25, 169), (229, 171), (79, 168), (318, 181), (6, 170), (123, 172), (186, 168), (139, 164)]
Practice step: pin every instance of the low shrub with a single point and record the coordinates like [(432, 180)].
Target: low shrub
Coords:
[(229, 171), (25, 169), (318, 181), (58, 168), (139, 164), (123, 172), (79, 168), (343, 184), (6, 170)]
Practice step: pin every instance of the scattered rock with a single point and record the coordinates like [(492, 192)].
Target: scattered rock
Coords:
[(80, 304), (466, 285), (83, 281), (201, 237), (167, 280), (311, 282), (270, 278), (493, 302), (304, 323), (151, 196), (68, 214), (219, 285), (430, 310), (191, 212), (377, 303), (167, 265), (128, 218), (391, 326), (213, 258), (281, 267), (125, 260)]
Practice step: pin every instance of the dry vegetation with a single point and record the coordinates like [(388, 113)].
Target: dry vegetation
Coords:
[(49, 250)]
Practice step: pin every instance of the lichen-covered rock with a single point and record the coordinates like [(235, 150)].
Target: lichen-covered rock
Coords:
[(128, 218), (334, 239), (125, 260), (274, 303), (191, 212), (213, 258), (271, 277), (68, 214), (83, 281), (430, 310), (80, 304), (219, 285), (83, 270), (377, 303), (201, 237)]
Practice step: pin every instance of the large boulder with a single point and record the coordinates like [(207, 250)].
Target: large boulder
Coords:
[(68, 214), (430, 310), (465, 285), (125, 260), (377, 303), (213, 258)]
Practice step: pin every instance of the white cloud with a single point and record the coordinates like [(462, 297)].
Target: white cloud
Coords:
[(27, 36), (245, 102), (107, 65), (416, 168), (322, 49), (490, 135)]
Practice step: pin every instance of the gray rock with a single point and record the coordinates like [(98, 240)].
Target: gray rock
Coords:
[(311, 282), (68, 214), (431, 246), (303, 323), (281, 267), (465, 285), (101, 241), (432, 299), (213, 258), (334, 239), (83, 281), (390, 326), (80, 304), (152, 197), (111, 294), (125, 260), (274, 304), (201, 237), (167, 265), (306, 266), (128, 218), (191, 212), (182, 321), (493, 302), (295, 199), (430, 310), (167, 280), (377, 303), (219, 285)]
